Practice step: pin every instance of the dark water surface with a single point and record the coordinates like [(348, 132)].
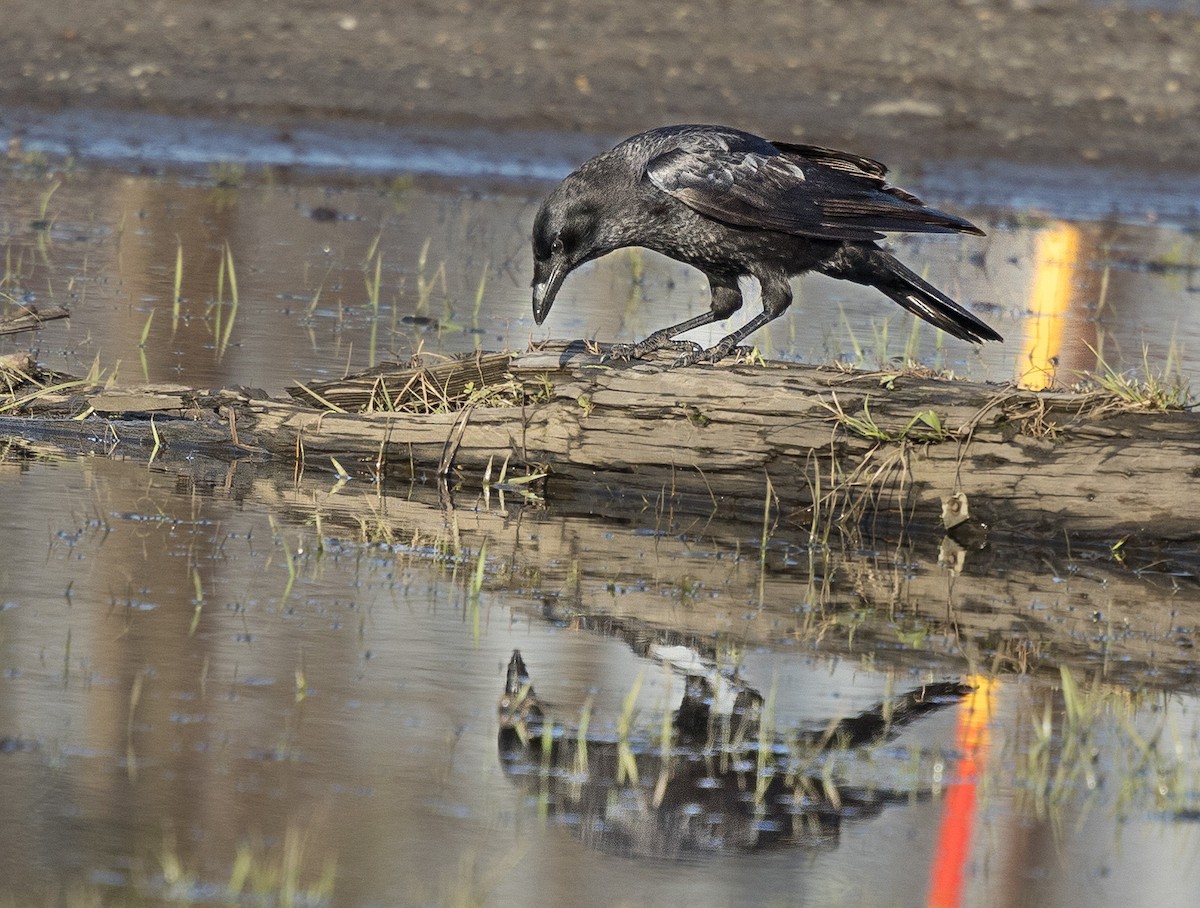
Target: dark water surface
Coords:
[(204, 670)]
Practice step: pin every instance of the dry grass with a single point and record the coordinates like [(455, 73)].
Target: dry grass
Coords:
[(480, 380), (25, 386)]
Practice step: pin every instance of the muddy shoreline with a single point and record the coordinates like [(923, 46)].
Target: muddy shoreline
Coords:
[(1059, 82)]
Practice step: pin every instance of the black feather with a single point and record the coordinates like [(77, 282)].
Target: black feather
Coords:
[(733, 204)]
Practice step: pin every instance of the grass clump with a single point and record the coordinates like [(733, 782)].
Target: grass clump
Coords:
[(1148, 390), (925, 426)]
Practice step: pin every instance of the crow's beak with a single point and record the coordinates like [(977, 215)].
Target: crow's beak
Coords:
[(546, 281)]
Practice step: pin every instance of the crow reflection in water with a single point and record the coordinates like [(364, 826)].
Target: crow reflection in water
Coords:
[(734, 205), (712, 791)]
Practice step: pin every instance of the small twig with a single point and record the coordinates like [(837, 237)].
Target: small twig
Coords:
[(32, 319)]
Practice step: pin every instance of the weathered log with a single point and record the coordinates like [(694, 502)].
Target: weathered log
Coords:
[(828, 440), (827, 443)]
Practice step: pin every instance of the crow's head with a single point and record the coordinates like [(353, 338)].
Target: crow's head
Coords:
[(571, 228)]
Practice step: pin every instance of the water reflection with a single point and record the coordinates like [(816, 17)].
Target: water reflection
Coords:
[(1055, 260), (453, 272), (717, 781), (1086, 294), (956, 829), (189, 670), (118, 245)]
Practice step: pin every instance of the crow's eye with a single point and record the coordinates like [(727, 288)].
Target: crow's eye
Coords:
[(557, 246)]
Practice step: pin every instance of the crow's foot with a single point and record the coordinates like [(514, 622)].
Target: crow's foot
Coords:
[(626, 352), (713, 354)]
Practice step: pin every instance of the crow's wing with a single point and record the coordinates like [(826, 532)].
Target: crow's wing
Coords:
[(799, 189)]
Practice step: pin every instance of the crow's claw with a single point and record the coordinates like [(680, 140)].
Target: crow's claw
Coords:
[(626, 352), (700, 355)]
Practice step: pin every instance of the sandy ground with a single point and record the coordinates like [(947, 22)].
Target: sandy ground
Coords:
[(1025, 80)]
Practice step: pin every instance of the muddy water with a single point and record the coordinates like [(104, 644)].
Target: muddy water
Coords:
[(205, 669)]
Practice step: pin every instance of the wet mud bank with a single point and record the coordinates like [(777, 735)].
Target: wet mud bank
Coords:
[(327, 151), (1053, 80)]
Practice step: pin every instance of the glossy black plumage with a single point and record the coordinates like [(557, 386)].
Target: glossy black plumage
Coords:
[(733, 204)]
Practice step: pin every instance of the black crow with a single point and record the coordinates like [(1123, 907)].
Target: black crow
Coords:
[(733, 204)]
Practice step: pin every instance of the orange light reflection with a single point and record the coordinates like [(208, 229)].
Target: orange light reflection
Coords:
[(958, 811), (1056, 259)]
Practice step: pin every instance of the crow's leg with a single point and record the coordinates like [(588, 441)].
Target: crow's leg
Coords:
[(726, 300), (776, 296), (725, 345), (662, 338)]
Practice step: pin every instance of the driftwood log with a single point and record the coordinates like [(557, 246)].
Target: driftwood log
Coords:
[(821, 444), (826, 438)]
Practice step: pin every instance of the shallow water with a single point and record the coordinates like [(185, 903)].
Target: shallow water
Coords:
[(453, 266), (187, 672), (203, 666)]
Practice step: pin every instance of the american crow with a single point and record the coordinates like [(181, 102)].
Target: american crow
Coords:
[(733, 204)]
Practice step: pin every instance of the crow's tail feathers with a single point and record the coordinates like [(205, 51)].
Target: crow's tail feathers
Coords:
[(867, 264)]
